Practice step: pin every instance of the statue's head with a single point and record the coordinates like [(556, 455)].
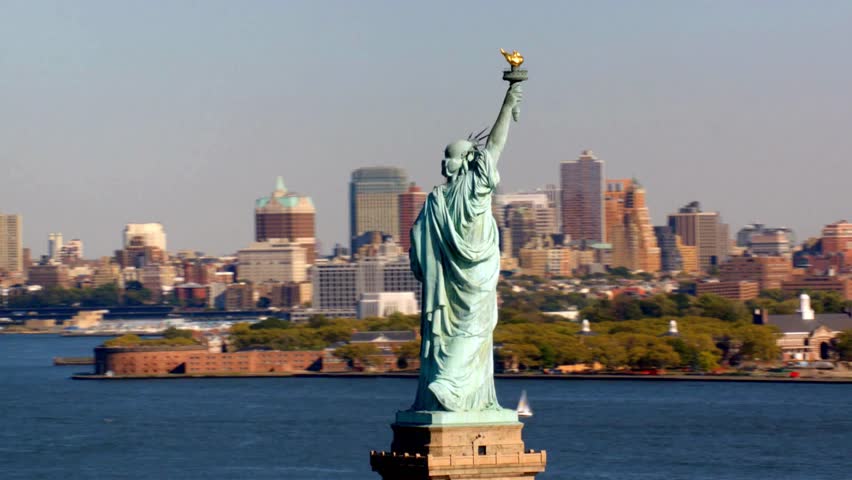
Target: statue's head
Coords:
[(456, 156)]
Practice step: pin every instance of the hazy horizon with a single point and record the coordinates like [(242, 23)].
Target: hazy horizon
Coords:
[(184, 113)]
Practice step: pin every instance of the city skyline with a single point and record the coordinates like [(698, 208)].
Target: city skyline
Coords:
[(139, 113)]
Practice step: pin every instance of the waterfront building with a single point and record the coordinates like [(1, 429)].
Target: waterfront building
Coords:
[(54, 246), (385, 304), (150, 234), (284, 215), (768, 272), (198, 360), (629, 229), (272, 261), (49, 275), (285, 295), (158, 279), (107, 272), (806, 335), (11, 248), (374, 200), (582, 188), (410, 204), (338, 284), (703, 230), (239, 296), (192, 294)]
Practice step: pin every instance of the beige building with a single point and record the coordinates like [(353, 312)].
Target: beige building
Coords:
[(107, 272), (272, 261), (543, 258), (629, 229), (11, 255), (152, 234), (703, 230)]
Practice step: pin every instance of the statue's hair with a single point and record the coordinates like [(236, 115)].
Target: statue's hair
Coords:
[(478, 139)]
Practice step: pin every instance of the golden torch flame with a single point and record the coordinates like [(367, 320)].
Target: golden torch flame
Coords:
[(515, 59)]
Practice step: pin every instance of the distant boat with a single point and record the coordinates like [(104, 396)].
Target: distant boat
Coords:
[(524, 409)]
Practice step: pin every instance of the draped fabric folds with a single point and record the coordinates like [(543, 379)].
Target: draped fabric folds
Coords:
[(455, 254)]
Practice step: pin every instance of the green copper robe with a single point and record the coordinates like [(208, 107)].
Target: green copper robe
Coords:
[(455, 254)]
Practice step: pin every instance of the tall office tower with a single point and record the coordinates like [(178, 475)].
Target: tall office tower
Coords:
[(670, 258), (582, 182), (634, 245), (150, 235), (614, 198), (11, 248), (374, 200), (410, 204), (286, 216), (703, 230), (54, 246), (521, 224)]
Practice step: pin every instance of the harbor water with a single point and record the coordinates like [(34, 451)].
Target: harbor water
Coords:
[(324, 428)]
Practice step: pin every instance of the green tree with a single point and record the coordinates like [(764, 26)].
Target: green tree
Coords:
[(364, 354), (174, 332), (270, 322), (757, 342), (843, 345), (715, 306)]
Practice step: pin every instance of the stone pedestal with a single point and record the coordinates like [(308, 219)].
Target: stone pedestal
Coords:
[(447, 446)]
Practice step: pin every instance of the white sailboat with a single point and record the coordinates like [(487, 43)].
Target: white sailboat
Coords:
[(524, 409)]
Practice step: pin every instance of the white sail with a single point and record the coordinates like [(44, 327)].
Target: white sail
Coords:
[(524, 409)]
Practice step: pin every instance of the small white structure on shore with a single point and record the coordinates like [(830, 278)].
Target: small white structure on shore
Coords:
[(673, 329), (586, 328), (805, 307)]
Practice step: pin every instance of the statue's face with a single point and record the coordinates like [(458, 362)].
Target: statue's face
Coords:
[(455, 155)]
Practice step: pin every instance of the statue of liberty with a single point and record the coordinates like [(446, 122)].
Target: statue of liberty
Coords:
[(455, 255)]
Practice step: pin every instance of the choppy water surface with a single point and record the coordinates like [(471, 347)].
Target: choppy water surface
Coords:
[(311, 429)]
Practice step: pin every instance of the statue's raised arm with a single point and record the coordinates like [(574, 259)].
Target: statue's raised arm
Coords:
[(500, 130), (511, 104)]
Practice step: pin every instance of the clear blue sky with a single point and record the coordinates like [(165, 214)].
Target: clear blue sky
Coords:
[(184, 112)]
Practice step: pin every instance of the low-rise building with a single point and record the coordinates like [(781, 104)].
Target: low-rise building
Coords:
[(734, 290), (806, 335), (384, 304)]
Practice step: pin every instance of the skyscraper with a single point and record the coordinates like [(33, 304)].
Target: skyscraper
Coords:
[(374, 200), (410, 203), (54, 246), (286, 216), (634, 244), (11, 255), (582, 183), (705, 231)]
